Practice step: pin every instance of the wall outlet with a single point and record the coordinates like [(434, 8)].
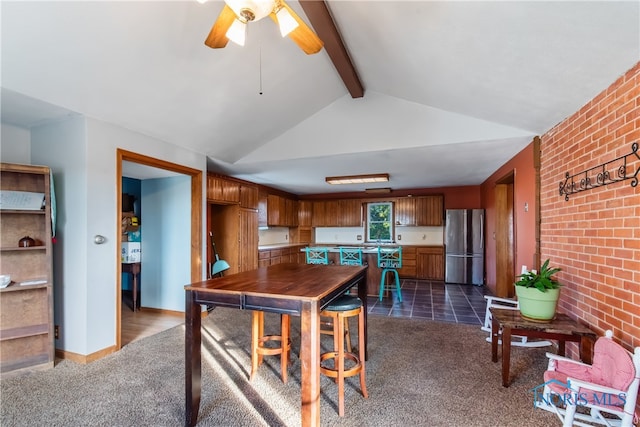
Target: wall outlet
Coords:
[(399, 236), (359, 237), (56, 332)]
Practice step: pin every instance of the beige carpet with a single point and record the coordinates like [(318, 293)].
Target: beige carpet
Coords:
[(419, 373)]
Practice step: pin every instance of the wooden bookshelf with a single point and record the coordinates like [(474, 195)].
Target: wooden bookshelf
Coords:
[(26, 310)]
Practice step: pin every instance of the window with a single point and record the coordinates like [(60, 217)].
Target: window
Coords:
[(380, 222)]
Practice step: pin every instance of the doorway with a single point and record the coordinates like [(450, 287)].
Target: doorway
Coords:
[(195, 219), (505, 239)]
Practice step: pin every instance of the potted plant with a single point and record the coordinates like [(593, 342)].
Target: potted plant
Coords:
[(538, 293)]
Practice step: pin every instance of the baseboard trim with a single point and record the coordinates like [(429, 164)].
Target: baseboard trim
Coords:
[(84, 359)]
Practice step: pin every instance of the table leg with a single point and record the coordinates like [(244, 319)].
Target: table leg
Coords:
[(495, 333), (561, 347), (362, 294), (506, 354), (193, 359), (310, 361), (586, 354)]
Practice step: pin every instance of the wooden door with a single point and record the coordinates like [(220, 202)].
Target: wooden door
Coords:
[(504, 238)]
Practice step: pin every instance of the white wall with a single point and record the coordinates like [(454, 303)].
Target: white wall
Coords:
[(82, 153), (15, 145), (62, 147), (166, 207)]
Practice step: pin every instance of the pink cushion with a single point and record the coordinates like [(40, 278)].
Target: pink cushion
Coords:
[(612, 367)]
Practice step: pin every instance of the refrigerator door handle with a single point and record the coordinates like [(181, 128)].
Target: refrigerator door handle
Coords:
[(482, 231)]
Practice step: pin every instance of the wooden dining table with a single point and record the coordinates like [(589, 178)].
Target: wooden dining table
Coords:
[(294, 289)]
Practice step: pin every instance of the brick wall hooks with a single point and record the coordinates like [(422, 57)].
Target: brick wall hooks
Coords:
[(607, 173)]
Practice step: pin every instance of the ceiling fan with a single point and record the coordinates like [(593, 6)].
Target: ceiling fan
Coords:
[(232, 24)]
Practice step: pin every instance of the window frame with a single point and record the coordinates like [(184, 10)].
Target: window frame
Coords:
[(369, 238)]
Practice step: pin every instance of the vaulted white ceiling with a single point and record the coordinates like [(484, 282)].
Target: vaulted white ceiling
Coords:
[(452, 89)]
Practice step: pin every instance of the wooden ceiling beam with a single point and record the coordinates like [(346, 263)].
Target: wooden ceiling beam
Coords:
[(324, 26)]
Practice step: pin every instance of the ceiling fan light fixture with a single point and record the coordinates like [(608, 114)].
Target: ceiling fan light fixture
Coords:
[(237, 32), (251, 10), (286, 22), (357, 179)]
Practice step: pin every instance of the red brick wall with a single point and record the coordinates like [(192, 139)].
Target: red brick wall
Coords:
[(595, 235)]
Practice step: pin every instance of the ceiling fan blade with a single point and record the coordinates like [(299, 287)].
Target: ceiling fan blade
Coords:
[(302, 35), (217, 37)]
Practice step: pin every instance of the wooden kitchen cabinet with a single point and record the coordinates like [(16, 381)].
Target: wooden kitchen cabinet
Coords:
[(222, 190), (26, 310), (429, 210), (408, 269), (430, 263), (419, 211), (267, 257), (305, 213), (349, 213), (248, 197), (281, 211), (405, 211), (235, 233)]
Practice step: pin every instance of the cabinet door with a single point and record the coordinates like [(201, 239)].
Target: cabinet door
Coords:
[(291, 213), (430, 263), (305, 213), (248, 197), (350, 213), (332, 213), (248, 239), (405, 211), (276, 208), (222, 190), (263, 220), (319, 214), (430, 210), (408, 269)]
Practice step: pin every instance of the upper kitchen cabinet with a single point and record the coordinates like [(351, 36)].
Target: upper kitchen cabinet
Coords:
[(419, 211), (222, 190), (430, 210), (248, 197), (305, 213), (350, 213), (405, 211), (325, 213), (280, 211)]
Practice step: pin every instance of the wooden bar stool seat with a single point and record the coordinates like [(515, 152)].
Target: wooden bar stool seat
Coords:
[(340, 311), (260, 346)]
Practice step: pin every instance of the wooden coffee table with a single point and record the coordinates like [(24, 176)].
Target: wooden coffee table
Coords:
[(562, 328)]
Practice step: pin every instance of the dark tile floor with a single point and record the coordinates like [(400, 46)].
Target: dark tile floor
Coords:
[(425, 299)]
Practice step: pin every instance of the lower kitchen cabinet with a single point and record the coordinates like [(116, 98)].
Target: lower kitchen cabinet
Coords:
[(293, 254), (430, 263)]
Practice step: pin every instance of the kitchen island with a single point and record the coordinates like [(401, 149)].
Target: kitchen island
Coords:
[(418, 262)]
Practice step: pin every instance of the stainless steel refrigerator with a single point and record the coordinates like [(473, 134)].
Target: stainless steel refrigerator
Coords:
[(464, 246)]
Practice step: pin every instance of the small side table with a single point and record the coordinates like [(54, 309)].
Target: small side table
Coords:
[(562, 328), (134, 269)]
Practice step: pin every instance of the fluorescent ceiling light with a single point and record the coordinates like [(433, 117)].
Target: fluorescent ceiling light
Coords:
[(357, 179), (378, 190)]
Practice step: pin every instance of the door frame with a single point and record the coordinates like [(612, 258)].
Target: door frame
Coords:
[(196, 219), (505, 235)]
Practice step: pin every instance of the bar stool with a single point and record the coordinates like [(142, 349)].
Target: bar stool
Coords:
[(259, 340), (350, 256), (390, 260), (340, 311)]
